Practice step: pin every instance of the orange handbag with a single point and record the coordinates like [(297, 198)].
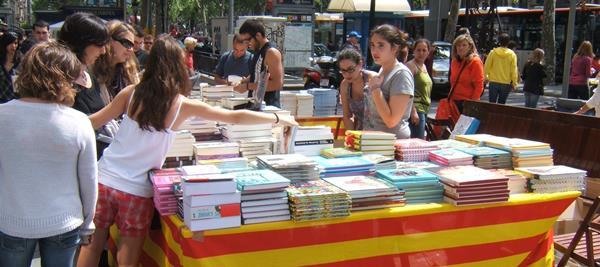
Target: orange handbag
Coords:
[(447, 109)]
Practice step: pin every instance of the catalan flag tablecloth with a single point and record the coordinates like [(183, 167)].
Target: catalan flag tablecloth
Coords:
[(516, 233)]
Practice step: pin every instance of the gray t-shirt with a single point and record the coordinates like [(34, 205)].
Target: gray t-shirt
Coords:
[(399, 81), (229, 65)]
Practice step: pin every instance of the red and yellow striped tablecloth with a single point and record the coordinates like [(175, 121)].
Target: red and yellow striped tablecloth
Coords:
[(515, 233)]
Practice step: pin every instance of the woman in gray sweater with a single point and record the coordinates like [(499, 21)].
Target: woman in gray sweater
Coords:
[(48, 171)]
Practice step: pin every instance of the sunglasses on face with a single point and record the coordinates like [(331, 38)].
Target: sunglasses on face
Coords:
[(348, 70), (124, 42)]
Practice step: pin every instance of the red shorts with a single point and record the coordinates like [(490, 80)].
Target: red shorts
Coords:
[(132, 214)]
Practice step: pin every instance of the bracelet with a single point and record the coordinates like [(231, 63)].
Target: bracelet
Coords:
[(276, 117)]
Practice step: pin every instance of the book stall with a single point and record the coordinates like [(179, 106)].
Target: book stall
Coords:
[(234, 195)]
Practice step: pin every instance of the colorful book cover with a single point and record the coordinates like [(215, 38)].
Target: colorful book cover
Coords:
[(339, 152), (468, 175), (260, 179), (358, 184), (406, 175), (342, 162), (213, 211)]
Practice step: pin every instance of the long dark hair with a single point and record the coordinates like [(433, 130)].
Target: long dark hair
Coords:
[(6, 39), (81, 30), (392, 35), (164, 79)]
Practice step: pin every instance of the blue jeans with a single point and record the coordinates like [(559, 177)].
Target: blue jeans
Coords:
[(531, 100), (418, 131), (499, 92), (55, 251)]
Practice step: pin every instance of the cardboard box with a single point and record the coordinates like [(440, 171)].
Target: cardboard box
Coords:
[(569, 220), (592, 187)]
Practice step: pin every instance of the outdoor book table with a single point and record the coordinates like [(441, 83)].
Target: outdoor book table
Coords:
[(514, 233)]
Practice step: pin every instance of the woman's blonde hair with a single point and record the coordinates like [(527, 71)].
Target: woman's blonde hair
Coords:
[(585, 49), (537, 56), (469, 40), (104, 70), (48, 72)]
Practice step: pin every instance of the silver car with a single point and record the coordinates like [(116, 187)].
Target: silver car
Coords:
[(440, 74)]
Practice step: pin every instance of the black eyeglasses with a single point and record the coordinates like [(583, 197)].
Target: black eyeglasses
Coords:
[(124, 42), (348, 70)]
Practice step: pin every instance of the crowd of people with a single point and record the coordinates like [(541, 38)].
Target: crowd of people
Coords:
[(83, 131), (98, 107)]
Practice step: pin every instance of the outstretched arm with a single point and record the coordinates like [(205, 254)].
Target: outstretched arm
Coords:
[(114, 109)]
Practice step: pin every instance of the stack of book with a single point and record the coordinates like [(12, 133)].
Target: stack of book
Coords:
[(216, 150), (469, 185), (550, 179), (368, 192), (425, 165), (374, 142), (210, 201), (227, 164), (525, 153), (233, 103), (419, 186), (292, 166), (475, 139), (381, 162), (202, 130), (264, 198), (213, 94), (339, 152), (254, 140), (305, 105), (325, 101), (517, 182), (489, 158), (289, 102), (413, 149), (164, 198), (451, 143), (344, 166), (278, 111), (250, 148), (310, 140), (450, 157), (181, 151), (317, 199)]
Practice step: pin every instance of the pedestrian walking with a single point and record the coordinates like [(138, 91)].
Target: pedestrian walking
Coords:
[(581, 70), (501, 71), (533, 77)]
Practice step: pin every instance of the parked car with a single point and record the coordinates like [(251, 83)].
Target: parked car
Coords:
[(440, 74)]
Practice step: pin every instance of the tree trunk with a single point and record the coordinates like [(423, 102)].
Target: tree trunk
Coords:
[(452, 20), (548, 41)]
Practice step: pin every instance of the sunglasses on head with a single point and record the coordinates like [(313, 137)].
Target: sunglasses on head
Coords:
[(124, 42)]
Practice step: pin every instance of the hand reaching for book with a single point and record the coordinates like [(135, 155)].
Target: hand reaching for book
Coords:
[(287, 120)]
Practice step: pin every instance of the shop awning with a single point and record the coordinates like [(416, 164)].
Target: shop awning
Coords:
[(397, 6)]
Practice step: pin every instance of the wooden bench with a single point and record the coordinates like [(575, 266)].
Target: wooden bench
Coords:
[(574, 138)]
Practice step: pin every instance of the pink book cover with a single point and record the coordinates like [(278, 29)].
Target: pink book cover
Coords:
[(469, 175), (413, 143), (165, 180)]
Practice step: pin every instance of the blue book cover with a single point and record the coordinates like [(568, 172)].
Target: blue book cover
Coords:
[(259, 180), (484, 151), (407, 175), (343, 163)]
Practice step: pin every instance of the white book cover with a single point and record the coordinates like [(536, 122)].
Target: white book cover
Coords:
[(267, 219), (220, 187), (212, 199), (216, 223)]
